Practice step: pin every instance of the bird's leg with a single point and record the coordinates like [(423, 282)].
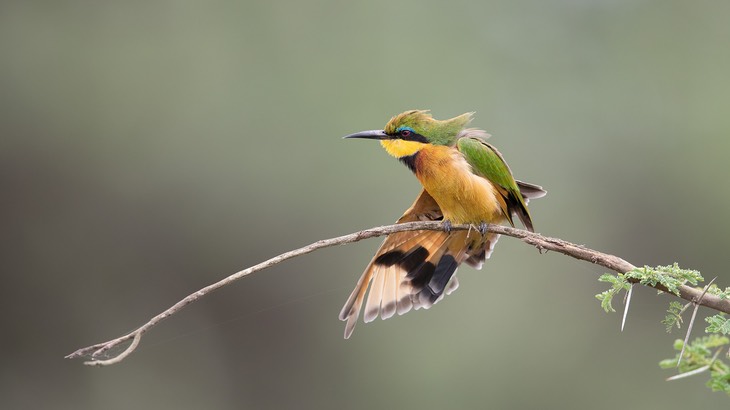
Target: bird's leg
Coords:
[(447, 226), (483, 227)]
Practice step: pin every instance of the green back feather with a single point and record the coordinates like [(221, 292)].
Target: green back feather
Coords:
[(488, 163)]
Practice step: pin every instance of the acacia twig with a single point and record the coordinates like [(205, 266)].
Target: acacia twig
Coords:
[(542, 243)]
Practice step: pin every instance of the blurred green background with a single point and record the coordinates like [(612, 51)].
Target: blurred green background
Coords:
[(149, 148)]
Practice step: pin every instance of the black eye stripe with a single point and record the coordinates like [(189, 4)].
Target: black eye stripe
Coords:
[(416, 137), (408, 135)]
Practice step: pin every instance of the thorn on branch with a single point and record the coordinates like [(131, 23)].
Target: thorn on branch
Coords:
[(627, 302), (692, 320)]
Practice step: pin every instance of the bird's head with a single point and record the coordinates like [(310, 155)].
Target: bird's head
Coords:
[(408, 132)]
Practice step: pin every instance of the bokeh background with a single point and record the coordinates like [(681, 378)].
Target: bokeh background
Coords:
[(149, 148)]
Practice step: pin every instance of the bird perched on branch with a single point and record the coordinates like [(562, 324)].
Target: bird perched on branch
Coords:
[(465, 181)]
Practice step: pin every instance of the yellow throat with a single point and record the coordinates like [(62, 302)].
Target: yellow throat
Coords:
[(401, 148)]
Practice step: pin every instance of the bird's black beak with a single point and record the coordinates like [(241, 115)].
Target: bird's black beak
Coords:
[(371, 135)]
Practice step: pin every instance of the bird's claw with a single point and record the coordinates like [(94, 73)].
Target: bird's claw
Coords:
[(483, 228), (447, 226)]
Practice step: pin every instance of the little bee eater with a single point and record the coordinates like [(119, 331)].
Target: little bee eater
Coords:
[(465, 181)]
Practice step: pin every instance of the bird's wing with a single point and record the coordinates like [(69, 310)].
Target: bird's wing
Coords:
[(410, 270), (488, 163)]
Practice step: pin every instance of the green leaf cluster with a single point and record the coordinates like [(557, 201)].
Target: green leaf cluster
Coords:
[(674, 316), (702, 355), (715, 290), (718, 324), (670, 276), (618, 283)]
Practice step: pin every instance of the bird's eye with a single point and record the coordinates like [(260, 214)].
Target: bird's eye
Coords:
[(405, 133)]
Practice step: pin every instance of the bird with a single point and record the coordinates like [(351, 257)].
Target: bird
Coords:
[(465, 180)]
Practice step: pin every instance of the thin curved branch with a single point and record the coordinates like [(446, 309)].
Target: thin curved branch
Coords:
[(542, 243)]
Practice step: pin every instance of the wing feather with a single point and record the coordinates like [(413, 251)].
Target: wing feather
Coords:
[(386, 275), (390, 295), (372, 306), (488, 163)]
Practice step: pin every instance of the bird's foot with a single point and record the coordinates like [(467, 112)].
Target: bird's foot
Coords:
[(447, 226), (483, 228)]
